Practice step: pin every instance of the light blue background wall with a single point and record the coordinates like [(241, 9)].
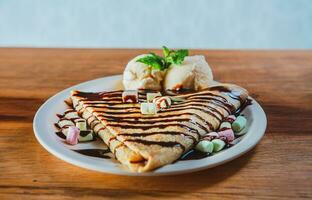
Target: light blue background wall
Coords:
[(152, 23)]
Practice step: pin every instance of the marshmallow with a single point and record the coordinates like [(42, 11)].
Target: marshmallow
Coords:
[(81, 124), (204, 146), (148, 108), (225, 125), (228, 134), (218, 145), (72, 135), (162, 103), (242, 132), (151, 96), (130, 96), (239, 124), (86, 138)]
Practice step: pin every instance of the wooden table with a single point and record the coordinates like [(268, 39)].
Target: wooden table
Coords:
[(280, 167)]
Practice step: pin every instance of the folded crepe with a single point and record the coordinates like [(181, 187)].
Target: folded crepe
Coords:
[(145, 142)]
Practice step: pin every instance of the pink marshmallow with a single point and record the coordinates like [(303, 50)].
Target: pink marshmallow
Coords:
[(228, 134), (72, 135)]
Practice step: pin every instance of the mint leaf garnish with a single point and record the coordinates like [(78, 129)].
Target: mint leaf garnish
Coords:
[(162, 63), (153, 60)]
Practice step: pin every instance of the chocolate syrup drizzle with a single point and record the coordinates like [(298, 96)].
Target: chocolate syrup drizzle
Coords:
[(111, 104), (100, 153), (194, 155)]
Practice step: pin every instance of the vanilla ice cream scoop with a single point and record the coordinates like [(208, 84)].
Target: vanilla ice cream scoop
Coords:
[(193, 73), (141, 76)]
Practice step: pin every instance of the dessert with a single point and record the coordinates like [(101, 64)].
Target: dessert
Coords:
[(138, 75), (148, 141), (193, 73), (71, 126), (170, 110), (174, 71)]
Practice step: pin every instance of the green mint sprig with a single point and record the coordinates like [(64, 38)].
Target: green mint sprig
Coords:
[(169, 57)]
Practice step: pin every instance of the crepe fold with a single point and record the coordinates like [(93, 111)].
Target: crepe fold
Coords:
[(145, 142)]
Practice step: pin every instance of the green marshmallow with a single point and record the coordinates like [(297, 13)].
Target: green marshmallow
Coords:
[(204, 146), (225, 125), (242, 132), (218, 145), (86, 138), (81, 124), (239, 124)]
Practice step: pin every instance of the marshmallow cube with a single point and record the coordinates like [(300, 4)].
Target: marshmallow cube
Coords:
[(148, 108), (72, 135), (130, 96), (228, 134), (218, 145), (226, 125), (239, 124), (86, 138), (204, 146), (81, 124)]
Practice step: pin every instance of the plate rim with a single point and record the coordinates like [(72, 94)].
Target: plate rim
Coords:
[(73, 159)]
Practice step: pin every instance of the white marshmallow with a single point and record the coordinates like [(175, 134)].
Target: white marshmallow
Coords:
[(130, 96), (148, 108)]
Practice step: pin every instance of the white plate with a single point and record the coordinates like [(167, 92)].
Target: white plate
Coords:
[(45, 132)]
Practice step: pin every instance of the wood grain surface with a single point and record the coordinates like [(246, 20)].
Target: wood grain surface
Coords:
[(279, 167)]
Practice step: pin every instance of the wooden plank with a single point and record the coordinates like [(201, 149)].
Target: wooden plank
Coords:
[(280, 167)]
